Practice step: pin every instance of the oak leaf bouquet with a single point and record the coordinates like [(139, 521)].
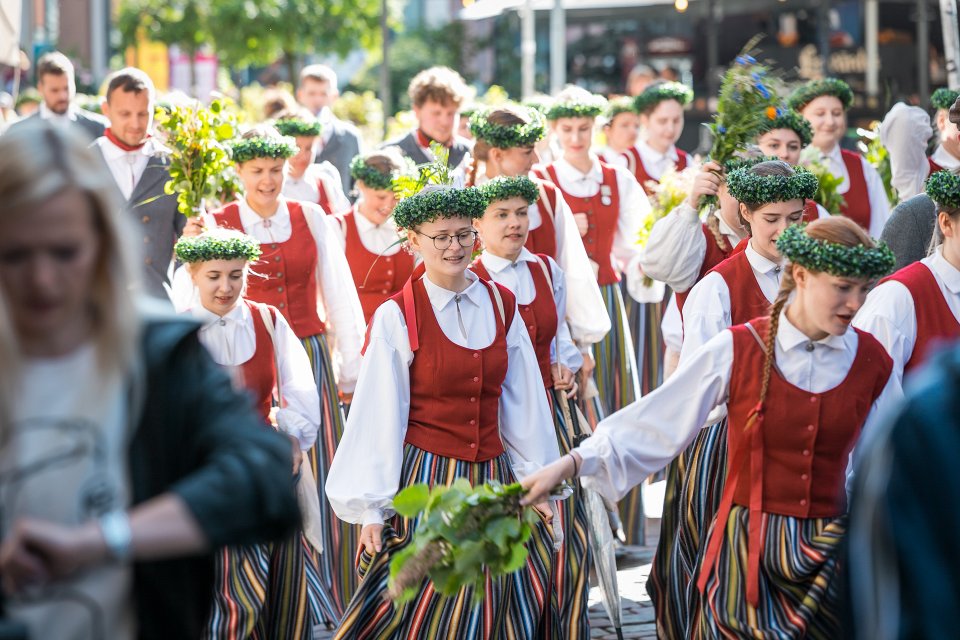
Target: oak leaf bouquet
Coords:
[(463, 533)]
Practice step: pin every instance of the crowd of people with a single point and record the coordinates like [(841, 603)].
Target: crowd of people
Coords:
[(204, 420)]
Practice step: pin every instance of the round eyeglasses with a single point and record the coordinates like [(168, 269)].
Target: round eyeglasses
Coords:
[(443, 241)]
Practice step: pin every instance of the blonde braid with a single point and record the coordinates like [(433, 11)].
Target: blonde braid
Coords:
[(713, 224), (472, 180), (769, 350)]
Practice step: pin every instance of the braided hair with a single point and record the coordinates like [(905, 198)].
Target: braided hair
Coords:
[(836, 229)]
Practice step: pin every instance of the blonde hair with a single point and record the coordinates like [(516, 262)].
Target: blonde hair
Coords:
[(39, 161), (438, 84)]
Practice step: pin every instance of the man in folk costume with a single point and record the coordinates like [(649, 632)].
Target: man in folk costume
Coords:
[(306, 179), (661, 119), (339, 140), (436, 95), (824, 103), (140, 168), (57, 87)]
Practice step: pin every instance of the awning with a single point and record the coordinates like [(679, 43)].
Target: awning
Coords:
[(482, 9)]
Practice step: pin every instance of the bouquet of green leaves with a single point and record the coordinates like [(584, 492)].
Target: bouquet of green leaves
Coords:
[(198, 138), (748, 98), (667, 195), (463, 531), (879, 158), (827, 195), (413, 180)]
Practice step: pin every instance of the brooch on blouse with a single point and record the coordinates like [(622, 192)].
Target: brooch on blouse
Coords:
[(606, 195)]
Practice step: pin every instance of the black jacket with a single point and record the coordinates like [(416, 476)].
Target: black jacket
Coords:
[(200, 439)]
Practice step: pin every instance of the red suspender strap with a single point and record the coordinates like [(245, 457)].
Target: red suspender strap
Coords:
[(410, 314)]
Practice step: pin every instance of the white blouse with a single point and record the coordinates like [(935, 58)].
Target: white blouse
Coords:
[(610, 156), (379, 239), (337, 301), (516, 276), (879, 205), (305, 187), (365, 474), (657, 163), (645, 436), (634, 207), (891, 316), (707, 309), (232, 341)]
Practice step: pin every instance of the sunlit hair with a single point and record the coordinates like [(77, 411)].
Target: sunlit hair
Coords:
[(39, 161), (508, 116)]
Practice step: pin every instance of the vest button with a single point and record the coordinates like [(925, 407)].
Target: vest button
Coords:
[(806, 452), (476, 355), (473, 398), (273, 246), (589, 239), (281, 305), (810, 427), (530, 327), (476, 379), (804, 476), (803, 502), (473, 445), (473, 422), (389, 272), (277, 259), (280, 289), (388, 259), (279, 274), (813, 399), (384, 291)]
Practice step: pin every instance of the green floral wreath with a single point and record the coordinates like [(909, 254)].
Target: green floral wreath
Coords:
[(588, 108), (539, 103), (297, 128), (620, 105), (836, 259), (658, 92), (217, 247), (376, 180), (505, 136), (789, 119), (747, 186), (943, 187), (740, 162), (943, 98), (439, 202), (506, 187), (251, 148), (812, 90)]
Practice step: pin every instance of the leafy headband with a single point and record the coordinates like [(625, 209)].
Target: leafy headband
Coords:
[(789, 119), (944, 98), (836, 259), (507, 136), (812, 90), (657, 93), (439, 202), (371, 177), (943, 187), (213, 247), (587, 107), (747, 186), (251, 148), (505, 187), (297, 128)]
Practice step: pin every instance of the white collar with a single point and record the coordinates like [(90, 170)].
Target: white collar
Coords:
[(944, 158), (945, 271), (47, 114), (834, 154), (496, 264), (758, 262), (239, 315), (440, 297), (789, 337), (364, 225), (250, 218), (595, 173), (647, 151), (325, 117), (113, 152), (732, 236)]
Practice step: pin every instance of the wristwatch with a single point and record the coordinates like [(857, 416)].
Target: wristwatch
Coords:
[(115, 527)]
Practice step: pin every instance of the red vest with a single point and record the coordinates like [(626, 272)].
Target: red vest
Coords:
[(540, 314), (543, 239), (323, 199), (260, 371), (714, 255), (376, 277), (746, 297), (934, 167), (287, 270), (635, 165), (789, 457), (454, 391), (857, 198), (810, 211), (601, 222), (937, 322)]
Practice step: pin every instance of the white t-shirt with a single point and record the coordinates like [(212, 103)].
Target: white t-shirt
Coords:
[(66, 462)]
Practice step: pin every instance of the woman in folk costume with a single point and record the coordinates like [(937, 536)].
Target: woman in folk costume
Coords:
[(824, 104), (304, 274), (784, 138), (947, 153), (621, 129), (609, 206), (799, 385), (449, 388), (505, 139), (368, 234), (267, 590), (769, 197), (540, 288), (917, 309), (306, 180), (661, 108)]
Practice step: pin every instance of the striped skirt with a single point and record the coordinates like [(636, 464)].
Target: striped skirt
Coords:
[(268, 591), (799, 585), (340, 539), (517, 606), (571, 569), (644, 319), (691, 500)]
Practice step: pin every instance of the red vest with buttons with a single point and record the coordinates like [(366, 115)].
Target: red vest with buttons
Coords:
[(376, 277), (543, 239), (635, 165), (602, 221), (260, 371), (857, 198), (285, 277), (714, 255), (322, 198), (540, 314), (789, 457), (454, 390), (746, 297), (937, 322)]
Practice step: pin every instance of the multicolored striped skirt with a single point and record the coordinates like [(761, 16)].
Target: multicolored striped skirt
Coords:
[(514, 607), (571, 569), (644, 319), (340, 539), (691, 500), (799, 586), (617, 382), (268, 591)]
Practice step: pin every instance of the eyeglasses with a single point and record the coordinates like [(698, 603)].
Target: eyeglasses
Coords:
[(443, 241)]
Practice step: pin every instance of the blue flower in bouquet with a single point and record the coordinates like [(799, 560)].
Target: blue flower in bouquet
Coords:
[(721, 129), (763, 90), (745, 59)]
